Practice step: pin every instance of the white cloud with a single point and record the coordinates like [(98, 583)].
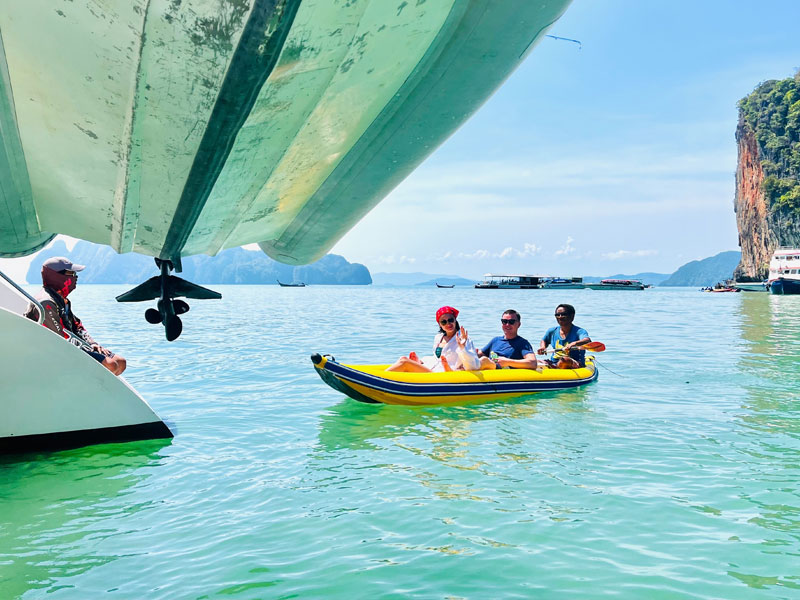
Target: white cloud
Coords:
[(393, 260), (566, 249), (628, 254), (508, 253)]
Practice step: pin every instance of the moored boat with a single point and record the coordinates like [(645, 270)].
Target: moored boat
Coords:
[(373, 384), (511, 282), (298, 284), (439, 285), (563, 283), (784, 271), (616, 284), (750, 286), (54, 395)]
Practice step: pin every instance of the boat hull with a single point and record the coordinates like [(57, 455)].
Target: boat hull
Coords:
[(40, 410), (173, 128), (600, 286), (373, 384), (783, 286), (757, 286)]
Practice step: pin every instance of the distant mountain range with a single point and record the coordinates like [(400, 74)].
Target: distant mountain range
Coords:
[(397, 279), (698, 273), (235, 265), (706, 272)]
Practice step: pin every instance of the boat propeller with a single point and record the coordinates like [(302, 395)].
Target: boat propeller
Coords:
[(167, 288)]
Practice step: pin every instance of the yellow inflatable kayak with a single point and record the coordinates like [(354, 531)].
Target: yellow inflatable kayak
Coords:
[(372, 383)]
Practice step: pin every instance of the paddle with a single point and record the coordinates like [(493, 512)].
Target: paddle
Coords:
[(591, 347)]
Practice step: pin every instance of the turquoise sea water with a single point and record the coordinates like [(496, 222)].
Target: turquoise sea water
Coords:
[(676, 477)]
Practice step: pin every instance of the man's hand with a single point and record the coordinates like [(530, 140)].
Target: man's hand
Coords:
[(101, 350)]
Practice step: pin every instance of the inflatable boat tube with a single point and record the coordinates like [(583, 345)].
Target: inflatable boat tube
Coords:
[(372, 383)]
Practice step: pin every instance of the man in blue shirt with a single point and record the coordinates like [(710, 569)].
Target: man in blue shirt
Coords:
[(508, 350), (566, 339)]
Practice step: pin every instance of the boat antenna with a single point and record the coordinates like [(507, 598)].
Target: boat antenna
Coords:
[(555, 37)]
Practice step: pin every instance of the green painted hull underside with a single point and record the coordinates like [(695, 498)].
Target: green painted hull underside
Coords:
[(172, 128)]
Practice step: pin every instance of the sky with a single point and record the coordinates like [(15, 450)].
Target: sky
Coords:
[(615, 156)]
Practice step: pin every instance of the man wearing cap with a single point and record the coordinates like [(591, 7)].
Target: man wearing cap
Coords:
[(509, 350), (59, 278)]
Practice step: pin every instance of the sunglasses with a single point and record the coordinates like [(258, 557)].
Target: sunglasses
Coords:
[(508, 321), (70, 274), (558, 315), (446, 321)]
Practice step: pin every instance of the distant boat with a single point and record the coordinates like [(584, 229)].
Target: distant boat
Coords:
[(751, 286), (784, 271), (511, 282), (563, 283), (438, 285), (301, 284), (616, 284)]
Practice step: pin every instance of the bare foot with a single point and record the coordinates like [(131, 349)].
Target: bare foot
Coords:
[(446, 364)]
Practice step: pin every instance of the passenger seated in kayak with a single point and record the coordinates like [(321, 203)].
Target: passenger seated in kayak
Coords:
[(59, 278), (509, 350), (452, 348), (566, 339)]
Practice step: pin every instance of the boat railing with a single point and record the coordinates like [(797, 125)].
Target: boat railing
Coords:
[(15, 299)]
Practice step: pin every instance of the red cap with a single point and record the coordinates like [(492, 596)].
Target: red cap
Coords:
[(446, 309)]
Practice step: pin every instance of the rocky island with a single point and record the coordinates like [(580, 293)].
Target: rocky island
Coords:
[(767, 202)]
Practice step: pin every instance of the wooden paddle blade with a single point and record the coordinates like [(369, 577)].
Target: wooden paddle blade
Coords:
[(594, 346)]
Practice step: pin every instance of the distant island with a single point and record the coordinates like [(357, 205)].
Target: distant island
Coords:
[(706, 272), (235, 265)]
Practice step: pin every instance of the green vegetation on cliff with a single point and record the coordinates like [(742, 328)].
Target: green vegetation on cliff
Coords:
[(772, 111)]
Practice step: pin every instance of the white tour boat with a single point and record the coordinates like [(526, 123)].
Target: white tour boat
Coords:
[(54, 395), (784, 271)]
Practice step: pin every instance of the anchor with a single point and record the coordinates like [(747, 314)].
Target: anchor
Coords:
[(167, 288)]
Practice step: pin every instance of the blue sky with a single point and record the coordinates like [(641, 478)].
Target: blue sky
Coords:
[(618, 157)]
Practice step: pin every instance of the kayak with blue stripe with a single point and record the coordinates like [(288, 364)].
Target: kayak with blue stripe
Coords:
[(374, 384)]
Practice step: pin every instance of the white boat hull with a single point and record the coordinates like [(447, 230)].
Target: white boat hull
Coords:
[(54, 395)]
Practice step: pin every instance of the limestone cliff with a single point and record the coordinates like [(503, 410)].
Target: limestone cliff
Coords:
[(767, 202)]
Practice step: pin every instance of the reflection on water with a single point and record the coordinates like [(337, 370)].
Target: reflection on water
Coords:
[(429, 443), (47, 502), (769, 444), (356, 425)]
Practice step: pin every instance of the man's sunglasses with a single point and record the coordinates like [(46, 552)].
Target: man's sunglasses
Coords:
[(70, 274), (508, 321), (446, 321), (561, 315)]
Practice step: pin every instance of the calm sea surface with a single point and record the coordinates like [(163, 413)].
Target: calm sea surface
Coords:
[(676, 477)]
